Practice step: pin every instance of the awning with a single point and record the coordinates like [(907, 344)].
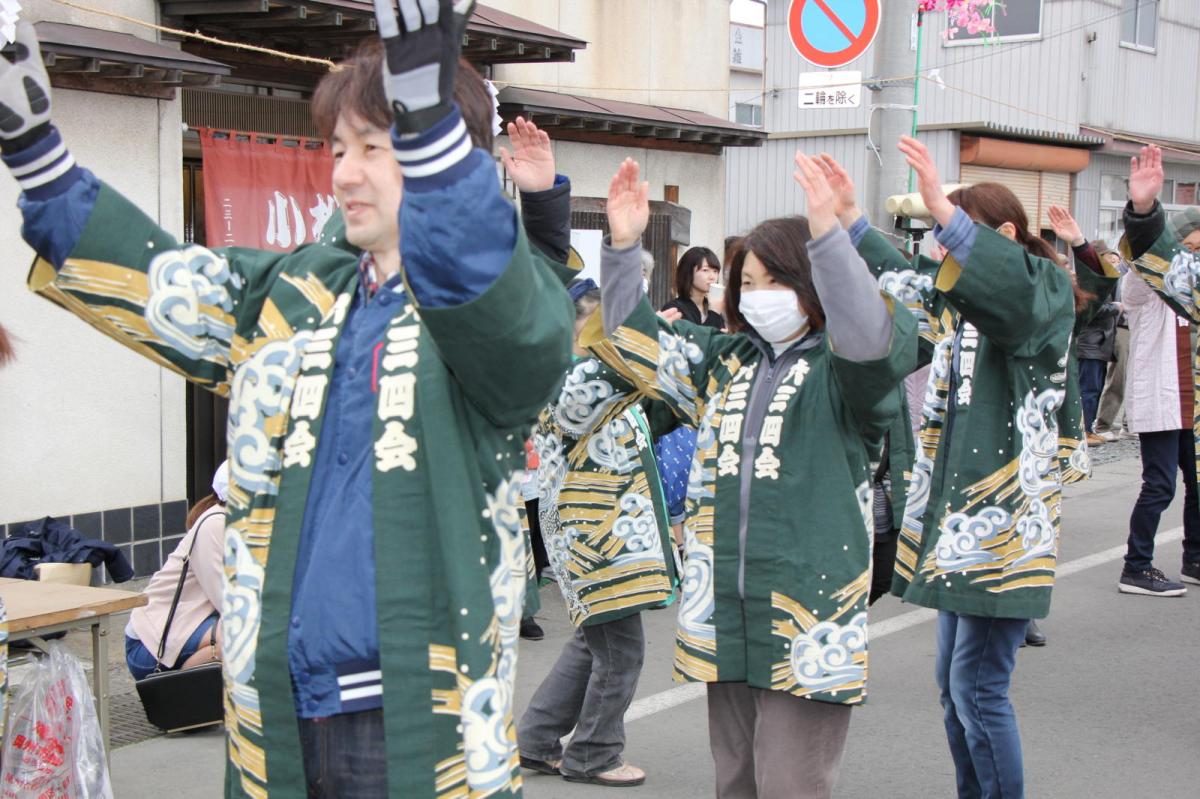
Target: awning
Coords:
[(1080, 139), (602, 121), (1122, 143), (79, 57), (332, 28)]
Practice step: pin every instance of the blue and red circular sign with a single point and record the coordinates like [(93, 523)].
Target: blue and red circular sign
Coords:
[(831, 33)]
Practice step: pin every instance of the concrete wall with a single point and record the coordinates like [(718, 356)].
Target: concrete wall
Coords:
[(642, 51), (639, 51), (86, 425)]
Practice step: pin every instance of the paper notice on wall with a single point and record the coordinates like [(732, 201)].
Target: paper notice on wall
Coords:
[(10, 12), (587, 244)]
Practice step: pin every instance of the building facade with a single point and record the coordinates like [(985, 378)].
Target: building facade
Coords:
[(1052, 105)]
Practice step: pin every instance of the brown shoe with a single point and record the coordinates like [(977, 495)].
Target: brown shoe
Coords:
[(623, 776), (1094, 440)]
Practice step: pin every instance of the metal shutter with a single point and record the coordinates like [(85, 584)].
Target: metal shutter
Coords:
[(1037, 191), (1056, 190), (1023, 183)]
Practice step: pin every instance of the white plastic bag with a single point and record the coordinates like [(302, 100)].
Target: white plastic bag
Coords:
[(53, 748)]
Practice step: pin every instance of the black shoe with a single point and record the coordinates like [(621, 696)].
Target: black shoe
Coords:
[(1033, 634), (530, 630), (1150, 582), (1190, 573)]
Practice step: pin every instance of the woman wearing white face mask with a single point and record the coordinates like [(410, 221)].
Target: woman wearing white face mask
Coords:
[(778, 540)]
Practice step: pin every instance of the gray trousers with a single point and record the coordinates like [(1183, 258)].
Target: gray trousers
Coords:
[(589, 689), (772, 745), (1111, 417)]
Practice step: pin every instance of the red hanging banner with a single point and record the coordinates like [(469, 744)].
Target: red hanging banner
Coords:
[(263, 194)]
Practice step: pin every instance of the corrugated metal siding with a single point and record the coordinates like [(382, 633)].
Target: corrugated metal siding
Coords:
[(1011, 73), (759, 181), (1149, 93)]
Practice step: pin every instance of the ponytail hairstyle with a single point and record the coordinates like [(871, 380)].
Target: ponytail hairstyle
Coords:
[(6, 349), (993, 204)]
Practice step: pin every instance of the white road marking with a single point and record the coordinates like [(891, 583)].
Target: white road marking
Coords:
[(665, 700)]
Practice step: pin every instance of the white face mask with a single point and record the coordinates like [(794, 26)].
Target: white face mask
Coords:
[(774, 314)]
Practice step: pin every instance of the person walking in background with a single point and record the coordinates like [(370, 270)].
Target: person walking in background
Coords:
[(1110, 415), (697, 271), (1160, 297)]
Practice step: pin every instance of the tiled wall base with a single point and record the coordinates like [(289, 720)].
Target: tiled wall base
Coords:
[(147, 534)]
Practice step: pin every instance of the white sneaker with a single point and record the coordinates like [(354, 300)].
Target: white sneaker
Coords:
[(1109, 436)]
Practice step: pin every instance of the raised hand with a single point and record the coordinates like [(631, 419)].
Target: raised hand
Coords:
[(1065, 226), (822, 201), (24, 88), (422, 48), (843, 189), (928, 181), (531, 162), (1145, 179), (628, 205), (670, 315)]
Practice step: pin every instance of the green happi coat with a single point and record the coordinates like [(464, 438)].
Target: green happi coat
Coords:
[(802, 624), (1173, 272), (600, 500), (981, 522), (458, 387)]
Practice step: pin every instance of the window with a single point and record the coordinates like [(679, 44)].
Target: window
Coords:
[(1013, 20), (1175, 196), (1139, 23), (748, 114)]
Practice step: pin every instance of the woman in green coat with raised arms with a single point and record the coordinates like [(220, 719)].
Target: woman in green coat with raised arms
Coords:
[(981, 525), (788, 411)]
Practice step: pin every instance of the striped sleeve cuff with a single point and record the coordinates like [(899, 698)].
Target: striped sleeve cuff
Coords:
[(46, 168), (436, 157)]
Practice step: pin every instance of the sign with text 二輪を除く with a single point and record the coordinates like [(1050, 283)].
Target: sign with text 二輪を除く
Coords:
[(841, 89)]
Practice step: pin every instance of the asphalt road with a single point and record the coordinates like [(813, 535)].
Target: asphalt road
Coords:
[(1110, 708)]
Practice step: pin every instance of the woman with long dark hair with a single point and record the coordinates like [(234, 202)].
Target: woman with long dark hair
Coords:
[(698, 270), (774, 610)]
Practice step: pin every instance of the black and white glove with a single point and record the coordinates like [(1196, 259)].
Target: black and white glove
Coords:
[(32, 149), (422, 48), (24, 91)]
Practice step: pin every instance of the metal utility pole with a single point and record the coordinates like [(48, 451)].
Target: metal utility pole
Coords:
[(892, 112)]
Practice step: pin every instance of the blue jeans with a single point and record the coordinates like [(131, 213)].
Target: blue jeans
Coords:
[(344, 756), (1163, 453), (141, 661), (1091, 385), (975, 661)]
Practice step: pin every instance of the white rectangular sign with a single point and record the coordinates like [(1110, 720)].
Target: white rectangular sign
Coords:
[(830, 89), (746, 47), (588, 244)]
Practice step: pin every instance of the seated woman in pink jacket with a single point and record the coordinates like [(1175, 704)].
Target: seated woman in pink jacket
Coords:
[(193, 636)]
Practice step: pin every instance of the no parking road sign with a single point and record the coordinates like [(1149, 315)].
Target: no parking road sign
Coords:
[(830, 33)]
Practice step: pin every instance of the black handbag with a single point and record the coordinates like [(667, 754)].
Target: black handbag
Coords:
[(186, 699), (881, 495)]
